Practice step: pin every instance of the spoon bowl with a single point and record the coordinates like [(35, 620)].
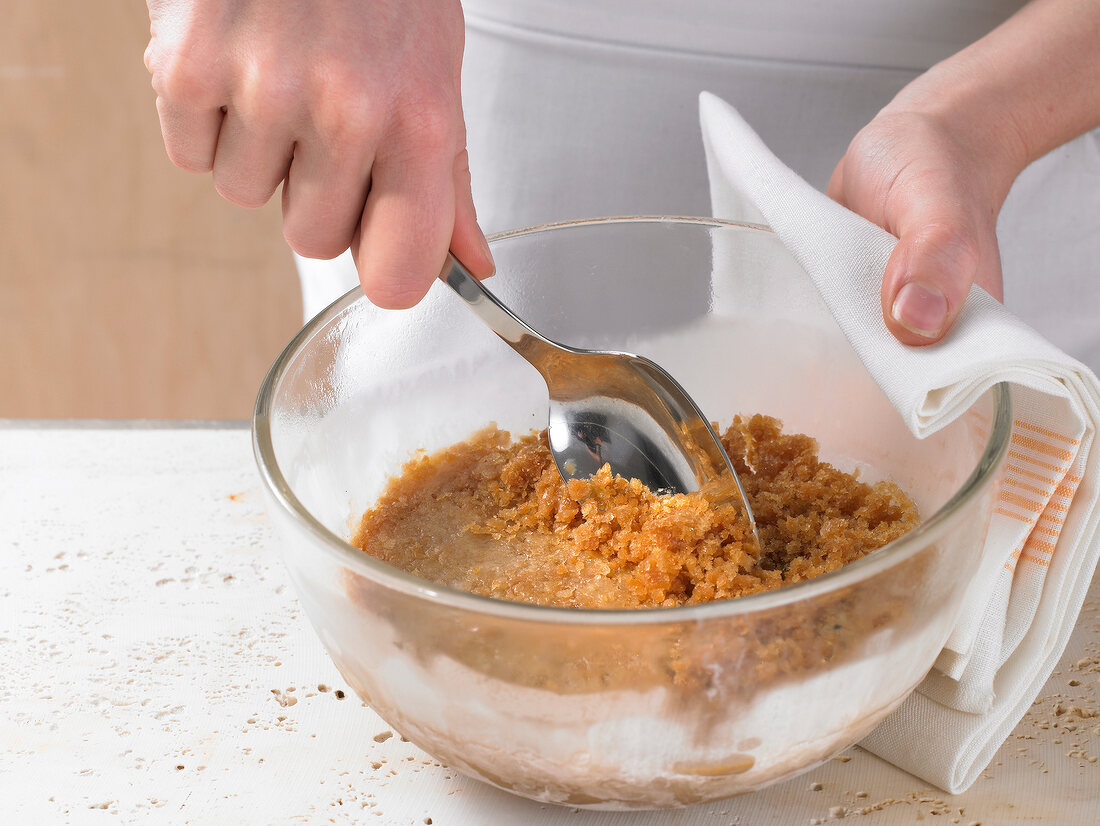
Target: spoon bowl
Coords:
[(612, 408)]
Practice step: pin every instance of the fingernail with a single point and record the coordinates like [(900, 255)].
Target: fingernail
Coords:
[(921, 309), (485, 249)]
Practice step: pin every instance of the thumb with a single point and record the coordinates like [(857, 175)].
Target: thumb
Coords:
[(468, 241), (930, 274)]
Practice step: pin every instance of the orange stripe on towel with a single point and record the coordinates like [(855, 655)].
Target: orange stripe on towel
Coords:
[(1066, 490), (1014, 515), (1045, 494), (1042, 477), (1010, 563), (1015, 454), (1042, 447), (1053, 518), (1044, 432), (1045, 547), (1021, 501)]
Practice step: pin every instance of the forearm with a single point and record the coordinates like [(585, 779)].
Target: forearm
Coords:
[(1030, 85)]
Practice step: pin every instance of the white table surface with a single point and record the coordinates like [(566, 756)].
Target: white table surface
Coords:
[(155, 668)]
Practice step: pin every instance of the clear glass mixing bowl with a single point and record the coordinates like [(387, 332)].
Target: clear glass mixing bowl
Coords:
[(618, 709)]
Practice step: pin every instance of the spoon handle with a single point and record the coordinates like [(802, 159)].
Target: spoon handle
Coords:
[(501, 320)]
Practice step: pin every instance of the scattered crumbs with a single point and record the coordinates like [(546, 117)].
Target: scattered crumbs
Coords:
[(861, 794), (383, 736), (816, 787), (283, 699), (236, 497), (427, 821), (322, 687), (837, 811), (339, 694), (179, 767), (1075, 683), (1075, 712), (842, 758), (376, 765)]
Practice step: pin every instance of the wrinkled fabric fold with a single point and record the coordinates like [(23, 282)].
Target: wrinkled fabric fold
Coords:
[(1041, 549)]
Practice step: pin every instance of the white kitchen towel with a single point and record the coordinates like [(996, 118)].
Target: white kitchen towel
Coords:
[(1042, 547)]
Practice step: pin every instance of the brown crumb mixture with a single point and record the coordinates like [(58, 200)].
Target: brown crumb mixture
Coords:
[(493, 516)]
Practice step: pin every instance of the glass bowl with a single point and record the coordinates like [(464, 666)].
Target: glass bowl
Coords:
[(618, 709)]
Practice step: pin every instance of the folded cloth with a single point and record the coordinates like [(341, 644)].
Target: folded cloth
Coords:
[(1042, 546)]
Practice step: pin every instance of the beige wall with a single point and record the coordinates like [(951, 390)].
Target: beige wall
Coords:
[(127, 287)]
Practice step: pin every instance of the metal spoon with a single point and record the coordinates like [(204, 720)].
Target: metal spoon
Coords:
[(611, 408)]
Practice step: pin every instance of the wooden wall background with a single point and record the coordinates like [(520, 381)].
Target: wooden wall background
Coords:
[(128, 288)]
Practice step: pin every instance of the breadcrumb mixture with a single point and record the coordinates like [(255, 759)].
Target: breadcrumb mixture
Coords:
[(493, 516)]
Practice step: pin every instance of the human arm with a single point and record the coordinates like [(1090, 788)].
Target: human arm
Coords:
[(352, 105), (935, 165)]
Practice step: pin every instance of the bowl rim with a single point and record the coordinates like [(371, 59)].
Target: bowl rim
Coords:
[(385, 575)]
